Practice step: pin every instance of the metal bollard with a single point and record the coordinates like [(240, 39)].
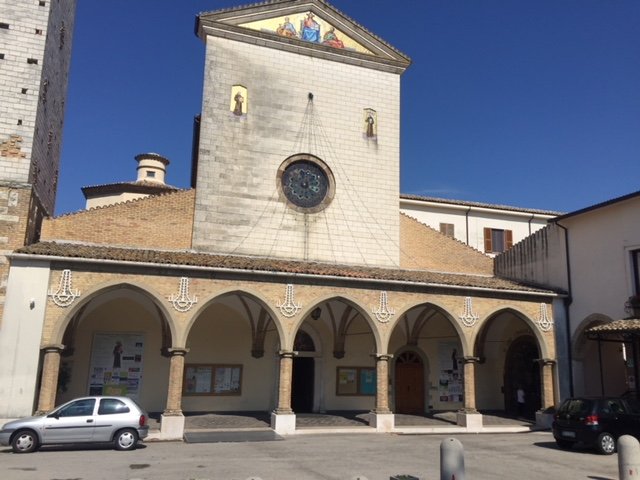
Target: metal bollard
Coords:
[(451, 459), (628, 458)]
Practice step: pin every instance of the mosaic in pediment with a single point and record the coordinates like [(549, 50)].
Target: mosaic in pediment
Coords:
[(308, 27)]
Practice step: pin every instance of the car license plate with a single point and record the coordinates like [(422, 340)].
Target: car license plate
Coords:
[(567, 434)]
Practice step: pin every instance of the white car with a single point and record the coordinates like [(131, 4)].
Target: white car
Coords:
[(117, 420)]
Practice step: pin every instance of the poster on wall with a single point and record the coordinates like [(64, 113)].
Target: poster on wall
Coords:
[(116, 364), (450, 384)]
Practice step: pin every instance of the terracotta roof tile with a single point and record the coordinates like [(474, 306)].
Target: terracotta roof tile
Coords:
[(267, 265), (467, 203), (626, 325)]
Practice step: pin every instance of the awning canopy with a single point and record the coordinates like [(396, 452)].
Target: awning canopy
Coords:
[(620, 330)]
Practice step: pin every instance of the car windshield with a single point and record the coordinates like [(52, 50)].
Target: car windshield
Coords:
[(576, 406)]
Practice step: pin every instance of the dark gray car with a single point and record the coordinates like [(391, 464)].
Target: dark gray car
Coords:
[(117, 420), (596, 422)]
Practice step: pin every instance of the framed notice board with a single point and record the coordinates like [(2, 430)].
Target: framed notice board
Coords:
[(212, 379), (355, 381)]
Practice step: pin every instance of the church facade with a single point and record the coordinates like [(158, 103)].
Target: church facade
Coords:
[(286, 280)]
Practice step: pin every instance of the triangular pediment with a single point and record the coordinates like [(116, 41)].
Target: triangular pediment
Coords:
[(312, 27)]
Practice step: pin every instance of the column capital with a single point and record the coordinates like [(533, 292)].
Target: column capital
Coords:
[(178, 351), (471, 359), (546, 362), (382, 357), (52, 347), (287, 353)]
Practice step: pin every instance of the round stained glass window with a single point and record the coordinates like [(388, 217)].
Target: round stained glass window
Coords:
[(305, 184)]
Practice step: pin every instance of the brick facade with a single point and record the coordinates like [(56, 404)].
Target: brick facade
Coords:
[(425, 248), (162, 222)]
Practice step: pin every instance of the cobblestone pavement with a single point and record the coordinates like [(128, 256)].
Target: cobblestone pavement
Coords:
[(245, 420)]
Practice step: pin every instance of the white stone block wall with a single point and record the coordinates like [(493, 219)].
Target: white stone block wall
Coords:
[(36, 46), (238, 209)]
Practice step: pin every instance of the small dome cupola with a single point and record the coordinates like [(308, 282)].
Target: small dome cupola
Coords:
[(151, 167)]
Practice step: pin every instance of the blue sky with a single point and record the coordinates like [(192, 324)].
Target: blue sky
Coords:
[(531, 103)]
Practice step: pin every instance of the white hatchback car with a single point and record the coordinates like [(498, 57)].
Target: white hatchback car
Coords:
[(117, 420)]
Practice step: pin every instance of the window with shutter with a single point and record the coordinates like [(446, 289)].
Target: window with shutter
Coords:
[(447, 229), (497, 240), (488, 246), (508, 239)]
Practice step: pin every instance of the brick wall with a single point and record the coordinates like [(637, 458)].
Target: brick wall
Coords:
[(162, 222), (422, 247)]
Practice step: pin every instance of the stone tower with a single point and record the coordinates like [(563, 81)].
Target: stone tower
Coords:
[(299, 144), (35, 52)]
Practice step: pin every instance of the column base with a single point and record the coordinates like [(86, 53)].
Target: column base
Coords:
[(171, 426), (382, 422), (283, 423), (470, 419), (544, 420)]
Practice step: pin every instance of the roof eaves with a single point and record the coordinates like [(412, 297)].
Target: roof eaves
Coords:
[(597, 206)]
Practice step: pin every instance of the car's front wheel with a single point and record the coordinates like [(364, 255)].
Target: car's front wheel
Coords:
[(565, 444), (126, 439), (25, 441), (606, 443)]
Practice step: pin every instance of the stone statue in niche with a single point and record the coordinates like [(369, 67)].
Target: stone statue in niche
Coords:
[(370, 123), (238, 105)]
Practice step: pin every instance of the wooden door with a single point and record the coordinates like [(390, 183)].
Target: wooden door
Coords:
[(409, 390)]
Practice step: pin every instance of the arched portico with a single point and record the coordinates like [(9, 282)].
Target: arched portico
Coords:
[(513, 353), (428, 347), (105, 343), (346, 342), (600, 367), (231, 364)]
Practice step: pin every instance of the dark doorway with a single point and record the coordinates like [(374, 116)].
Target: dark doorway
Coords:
[(409, 391), (302, 384), (522, 369)]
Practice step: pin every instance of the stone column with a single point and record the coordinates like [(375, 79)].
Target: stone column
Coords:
[(470, 384), (172, 419), (546, 365), (382, 383), (469, 417), (49, 378), (382, 419), (176, 374), (543, 418), (284, 385), (283, 420)]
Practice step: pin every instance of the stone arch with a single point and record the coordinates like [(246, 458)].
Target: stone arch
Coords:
[(509, 353), (77, 310), (464, 338), (351, 302), (478, 339), (252, 294), (578, 343), (599, 367), (429, 330), (130, 312)]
